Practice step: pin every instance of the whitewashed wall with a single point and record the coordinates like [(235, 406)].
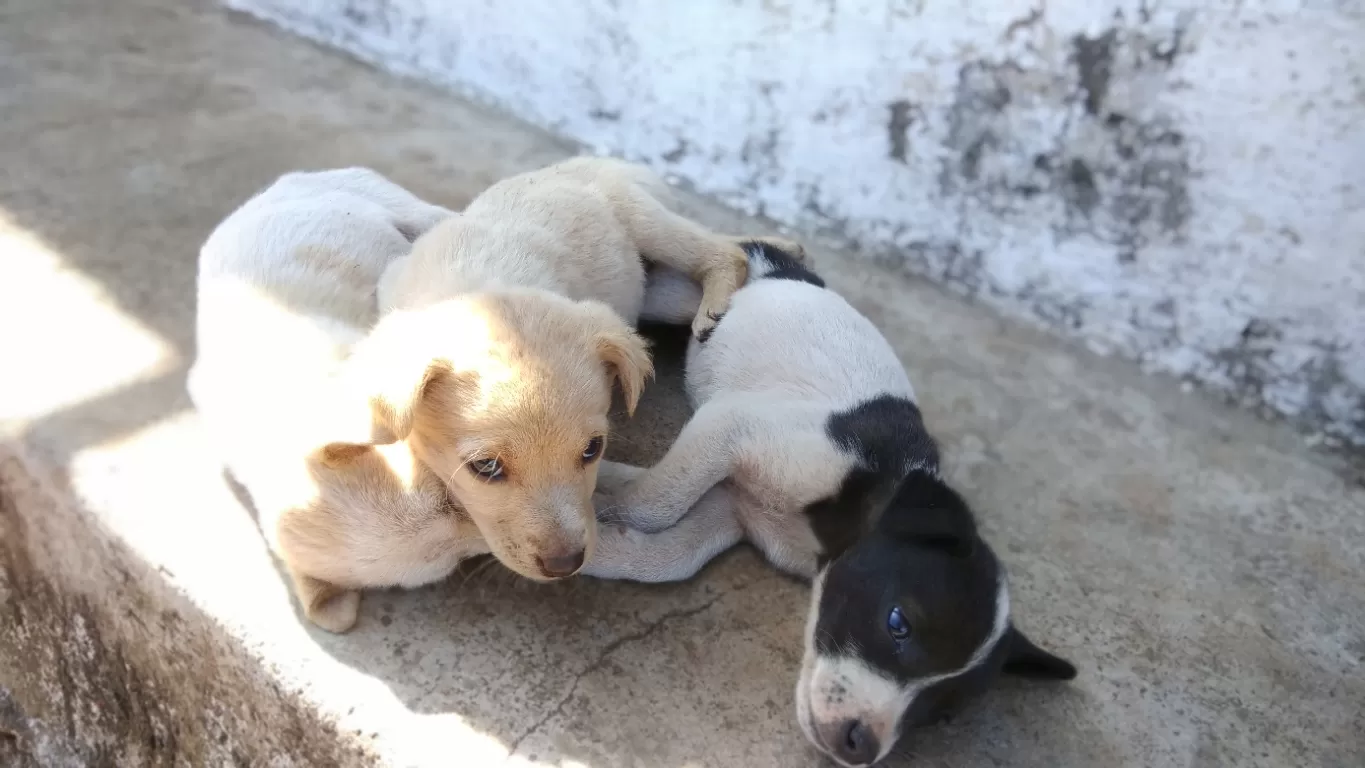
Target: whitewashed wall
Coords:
[(1182, 182)]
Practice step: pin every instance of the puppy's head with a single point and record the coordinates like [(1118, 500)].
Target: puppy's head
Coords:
[(906, 626), (505, 396)]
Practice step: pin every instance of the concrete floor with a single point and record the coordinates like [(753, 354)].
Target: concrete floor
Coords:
[(1200, 567)]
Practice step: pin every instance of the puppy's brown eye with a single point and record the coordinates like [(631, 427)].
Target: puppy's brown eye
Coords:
[(488, 469), (593, 450)]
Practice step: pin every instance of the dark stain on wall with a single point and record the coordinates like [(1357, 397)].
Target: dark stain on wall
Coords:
[(391, 20), (898, 128), (974, 124), (1117, 171), (1078, 187), (678, 152), (1249, 364), (379, 15), (1122, 180), (1094, 59), (1151, 201), (1246, 362)]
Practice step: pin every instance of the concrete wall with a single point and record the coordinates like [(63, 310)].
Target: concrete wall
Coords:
[(1181, 182)]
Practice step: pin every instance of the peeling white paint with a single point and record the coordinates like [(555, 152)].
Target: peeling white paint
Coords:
[(1179, 182)]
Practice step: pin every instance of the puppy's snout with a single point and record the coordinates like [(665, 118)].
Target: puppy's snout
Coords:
[(851, 741), (560, 565)]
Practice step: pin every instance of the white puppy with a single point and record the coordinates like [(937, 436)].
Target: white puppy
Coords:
[(808, 443), (286, 287)]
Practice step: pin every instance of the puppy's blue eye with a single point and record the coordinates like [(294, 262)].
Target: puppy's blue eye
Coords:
[(593, 450), (897, 625), (488, 469)]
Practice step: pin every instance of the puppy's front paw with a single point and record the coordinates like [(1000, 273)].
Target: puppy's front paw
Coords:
[(704, 323), (615, 515), (333, 608), (646, 520), (619, 517), (720, 282), (338, 613)]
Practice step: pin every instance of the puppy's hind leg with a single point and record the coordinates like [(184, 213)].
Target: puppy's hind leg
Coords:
[(673, 554)]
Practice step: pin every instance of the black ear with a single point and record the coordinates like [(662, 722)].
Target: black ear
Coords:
[(927, 513), (1025, 659)]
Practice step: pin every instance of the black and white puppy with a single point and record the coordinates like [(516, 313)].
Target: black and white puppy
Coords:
[(807, 442)]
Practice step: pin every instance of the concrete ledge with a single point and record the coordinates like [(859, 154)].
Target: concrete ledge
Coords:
[(103, 664), (1200, 566)]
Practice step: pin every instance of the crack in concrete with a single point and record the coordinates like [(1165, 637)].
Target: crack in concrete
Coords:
[(606, 653)]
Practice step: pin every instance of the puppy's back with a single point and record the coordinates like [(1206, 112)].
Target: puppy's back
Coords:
[(791, 335), (556, 228), (286, 284), (317, 242)]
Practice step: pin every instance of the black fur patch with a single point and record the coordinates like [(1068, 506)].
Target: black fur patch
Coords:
[(776, 264), (887, 435), (942, 700), (948, 601), (839, 520)]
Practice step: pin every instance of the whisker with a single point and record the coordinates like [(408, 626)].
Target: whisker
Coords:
[(829, 638), (478, 570), (904, 754), (612, 514)]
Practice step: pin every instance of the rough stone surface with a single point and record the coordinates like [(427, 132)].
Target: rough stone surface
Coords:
[(1174, 180), (1202, 568), (79, 686)]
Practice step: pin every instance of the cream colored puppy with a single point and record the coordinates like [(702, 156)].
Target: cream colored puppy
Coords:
[(286, 285), (505, 328)]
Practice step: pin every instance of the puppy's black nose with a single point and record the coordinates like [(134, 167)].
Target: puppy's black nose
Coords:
[(561, 565), (854, 743)]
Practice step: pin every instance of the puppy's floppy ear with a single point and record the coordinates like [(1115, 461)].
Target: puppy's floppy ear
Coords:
[(626, 356), (340, 454), (624, 352), (927, 513), (394, 402), (405, 359), (1025, 659)]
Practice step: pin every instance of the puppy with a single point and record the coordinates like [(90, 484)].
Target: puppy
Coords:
[(808, 443), (503, 331), (286, 286)]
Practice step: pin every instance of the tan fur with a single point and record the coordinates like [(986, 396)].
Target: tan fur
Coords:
[(505, 328), (286, 286), (516, 376)]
